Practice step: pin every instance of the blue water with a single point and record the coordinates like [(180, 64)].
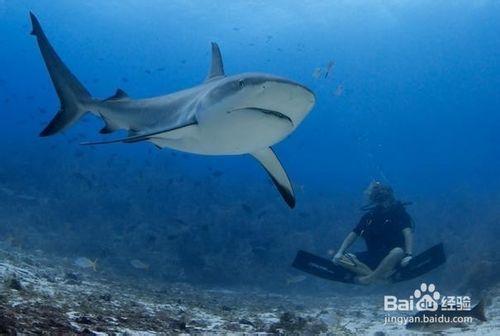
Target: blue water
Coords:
[(419, 110)]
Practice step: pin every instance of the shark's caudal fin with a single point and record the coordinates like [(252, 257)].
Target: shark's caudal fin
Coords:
[(216, 67), (72, 94), (272, 165)]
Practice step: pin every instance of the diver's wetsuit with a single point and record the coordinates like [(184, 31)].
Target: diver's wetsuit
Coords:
[(382, 230)]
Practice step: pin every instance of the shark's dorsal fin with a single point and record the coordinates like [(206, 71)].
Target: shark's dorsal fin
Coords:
[(119, 94), (217, 67)]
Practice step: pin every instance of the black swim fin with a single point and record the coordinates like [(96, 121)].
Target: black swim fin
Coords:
[(421, 264), (326, 269), (322, 267)]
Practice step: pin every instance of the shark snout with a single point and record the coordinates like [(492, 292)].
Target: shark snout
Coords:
[(287, 98)]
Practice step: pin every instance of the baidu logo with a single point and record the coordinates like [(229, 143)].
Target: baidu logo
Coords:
[(424, 298), (427, 296)]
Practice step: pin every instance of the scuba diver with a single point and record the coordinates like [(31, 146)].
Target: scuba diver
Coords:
[(387, 230)]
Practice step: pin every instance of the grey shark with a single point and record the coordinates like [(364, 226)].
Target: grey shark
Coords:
[(225, 115)]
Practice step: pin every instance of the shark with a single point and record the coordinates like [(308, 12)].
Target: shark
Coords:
[(242, 114)]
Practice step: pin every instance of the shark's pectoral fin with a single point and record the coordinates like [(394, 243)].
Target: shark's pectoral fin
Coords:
[(170, 133), (272, 165)]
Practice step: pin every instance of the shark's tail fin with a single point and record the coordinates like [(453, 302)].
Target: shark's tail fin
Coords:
[(73, 96)]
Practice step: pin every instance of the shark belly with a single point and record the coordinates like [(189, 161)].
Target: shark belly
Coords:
[(240, 131)]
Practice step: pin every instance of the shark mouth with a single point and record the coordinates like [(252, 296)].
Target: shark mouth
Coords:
[(265, 111)]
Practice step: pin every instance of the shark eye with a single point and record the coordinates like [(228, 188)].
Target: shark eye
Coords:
[(241, 83)]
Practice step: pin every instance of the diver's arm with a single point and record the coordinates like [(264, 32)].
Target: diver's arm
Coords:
[(408, 241), (348, 241), (408, 246)]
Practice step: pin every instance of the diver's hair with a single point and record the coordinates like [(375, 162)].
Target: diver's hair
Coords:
[(376, 192)]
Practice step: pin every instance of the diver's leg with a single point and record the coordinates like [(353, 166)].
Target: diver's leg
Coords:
[(350, 262), (385, 268)]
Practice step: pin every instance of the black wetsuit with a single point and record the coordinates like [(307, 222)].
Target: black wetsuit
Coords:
[(382, 229)]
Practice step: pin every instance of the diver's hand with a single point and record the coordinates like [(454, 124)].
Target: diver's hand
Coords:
[(337, 257), (406, 260)]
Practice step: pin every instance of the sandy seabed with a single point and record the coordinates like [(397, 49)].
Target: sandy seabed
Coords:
[(41, 295)]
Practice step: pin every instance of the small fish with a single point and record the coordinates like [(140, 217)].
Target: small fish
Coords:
[(303, 215), (150, 239), (12, 241), (339, 91), (7, 191), (84, 262), (83, 179), (13, 194), (139, 264), (477, 312), (247, 208), (329, 68), (317, 73), (217, 173), (262, 214), (295, 279), (300, 187)]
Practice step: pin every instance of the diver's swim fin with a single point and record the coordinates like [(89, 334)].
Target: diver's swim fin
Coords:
[(326, 269), (420, 264), (322, 267)]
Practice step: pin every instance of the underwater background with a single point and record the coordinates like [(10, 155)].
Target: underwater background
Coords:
[(406, 93)]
